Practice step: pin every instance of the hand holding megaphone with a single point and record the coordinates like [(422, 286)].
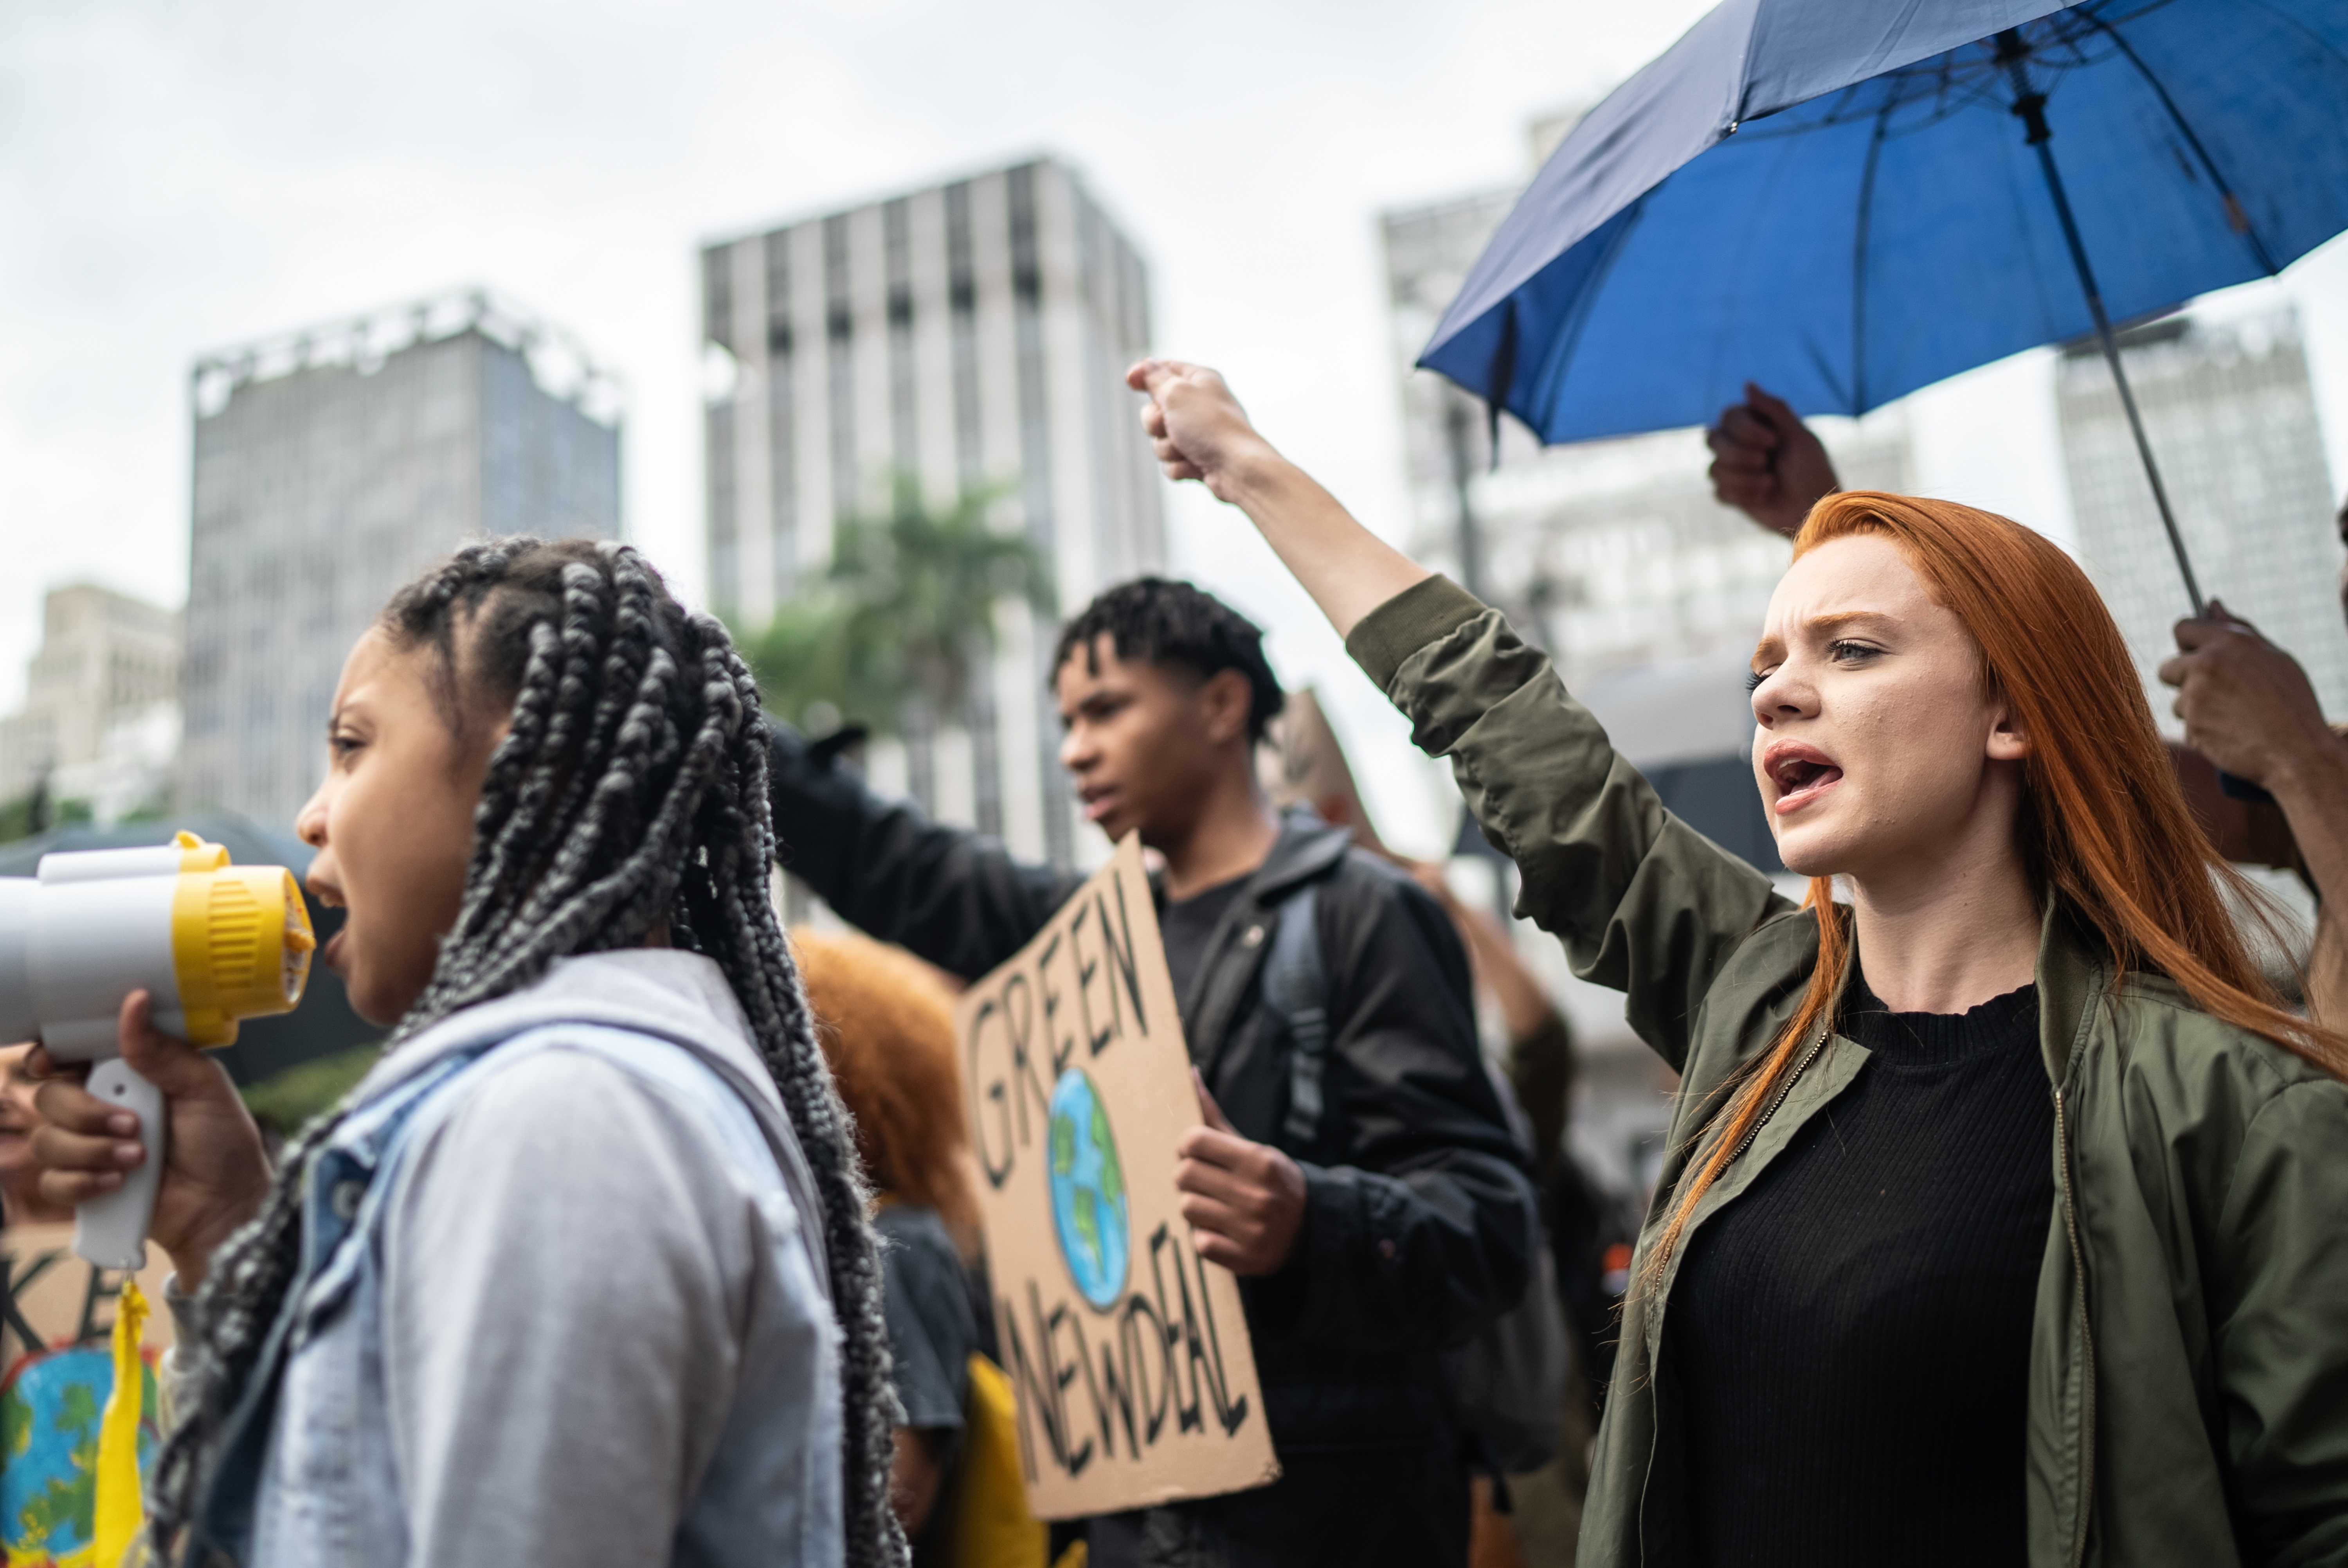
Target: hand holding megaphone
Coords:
[(206, 942), (214, 1170)]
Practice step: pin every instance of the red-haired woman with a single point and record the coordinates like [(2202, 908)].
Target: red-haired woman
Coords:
[(2006, 1218), (886, 1026)]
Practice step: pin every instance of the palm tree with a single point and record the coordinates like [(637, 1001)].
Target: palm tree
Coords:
[(895, 633)]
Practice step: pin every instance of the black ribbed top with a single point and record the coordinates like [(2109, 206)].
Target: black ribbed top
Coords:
[(1850, 1337)]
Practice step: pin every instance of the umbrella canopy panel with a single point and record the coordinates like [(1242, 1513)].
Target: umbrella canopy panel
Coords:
[(1896, 231)]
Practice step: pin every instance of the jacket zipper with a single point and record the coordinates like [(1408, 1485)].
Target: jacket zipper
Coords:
[(2086, 1327), (1783, 1090)]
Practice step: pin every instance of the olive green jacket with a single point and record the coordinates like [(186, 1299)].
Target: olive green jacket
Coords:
[(2188, 1367)]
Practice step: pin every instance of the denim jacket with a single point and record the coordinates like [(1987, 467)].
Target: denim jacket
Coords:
[(561, 1299)]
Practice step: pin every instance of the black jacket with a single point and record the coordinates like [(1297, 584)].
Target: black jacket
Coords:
[(1419, 1217)]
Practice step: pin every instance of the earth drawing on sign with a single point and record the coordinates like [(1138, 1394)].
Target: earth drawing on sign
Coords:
[(50, 1407), (1087, 1189)]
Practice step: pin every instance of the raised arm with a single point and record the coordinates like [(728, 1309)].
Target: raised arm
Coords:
[(1767, 464), (2248, 708), (1645, 904), (1201, 432), (955, 897)]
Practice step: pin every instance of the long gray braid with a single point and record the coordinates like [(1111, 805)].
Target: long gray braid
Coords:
[(629, 792)]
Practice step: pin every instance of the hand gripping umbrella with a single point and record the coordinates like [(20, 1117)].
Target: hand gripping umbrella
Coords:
[(1848, 200)]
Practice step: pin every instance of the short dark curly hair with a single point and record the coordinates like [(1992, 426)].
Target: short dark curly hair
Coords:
[(1168, 623)]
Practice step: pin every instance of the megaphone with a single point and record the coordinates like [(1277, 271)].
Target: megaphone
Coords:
[(210, 942)]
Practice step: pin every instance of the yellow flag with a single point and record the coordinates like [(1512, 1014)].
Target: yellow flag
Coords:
[(121, 1504)]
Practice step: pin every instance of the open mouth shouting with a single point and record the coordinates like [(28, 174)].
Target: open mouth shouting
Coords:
[(1802, 773)]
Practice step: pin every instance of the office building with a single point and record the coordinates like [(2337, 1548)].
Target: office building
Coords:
[(333, 464), (2232, 422), (969, 336), (99, 727)]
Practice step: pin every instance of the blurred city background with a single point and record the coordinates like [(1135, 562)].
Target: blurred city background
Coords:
[(826, 309)]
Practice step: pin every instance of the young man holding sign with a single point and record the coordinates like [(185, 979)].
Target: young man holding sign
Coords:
[(1368, 1237)]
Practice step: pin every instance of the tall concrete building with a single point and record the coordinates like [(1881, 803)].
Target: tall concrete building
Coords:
[(971, 336), (99, 726), (2232, 421), (332, 465)]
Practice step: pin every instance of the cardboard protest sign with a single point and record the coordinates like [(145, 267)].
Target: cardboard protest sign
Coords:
[(53, 1300), (1304, 766), (57, 1317), (1128, 1353)]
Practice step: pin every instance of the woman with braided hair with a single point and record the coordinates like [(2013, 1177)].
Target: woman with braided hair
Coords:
[(581, 1274)]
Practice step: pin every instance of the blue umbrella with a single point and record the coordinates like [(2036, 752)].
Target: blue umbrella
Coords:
[(1848, 200)]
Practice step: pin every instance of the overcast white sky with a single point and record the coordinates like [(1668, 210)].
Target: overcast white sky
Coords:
[(175, 178)]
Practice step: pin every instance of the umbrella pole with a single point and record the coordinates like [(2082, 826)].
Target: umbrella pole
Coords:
[(2031, 107), (2119, 378)]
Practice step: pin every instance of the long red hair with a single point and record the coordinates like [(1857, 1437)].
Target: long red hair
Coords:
[(886, 1026), (2105, 826)]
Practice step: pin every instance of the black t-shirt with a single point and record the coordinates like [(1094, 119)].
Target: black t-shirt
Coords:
[(1188, 925), (1849, 1339), (930, 1329)]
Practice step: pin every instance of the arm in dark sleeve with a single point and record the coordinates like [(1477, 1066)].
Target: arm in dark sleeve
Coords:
[(955, 897), (1540, 1070), (1423, 1230)]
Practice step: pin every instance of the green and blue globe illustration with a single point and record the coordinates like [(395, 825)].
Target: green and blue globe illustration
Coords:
[(49, 1414), (1087, 1189)]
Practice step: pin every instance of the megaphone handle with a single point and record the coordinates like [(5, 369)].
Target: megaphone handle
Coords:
[(112, 1230)]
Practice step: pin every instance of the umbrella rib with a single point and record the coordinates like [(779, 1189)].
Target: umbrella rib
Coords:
[(1552, 372), (2031, 107), (2240, 216), (1858, 265)]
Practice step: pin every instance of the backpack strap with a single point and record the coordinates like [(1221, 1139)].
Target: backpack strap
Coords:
[(1295, 989)]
